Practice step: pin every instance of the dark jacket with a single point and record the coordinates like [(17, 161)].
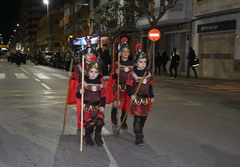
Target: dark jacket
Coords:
[(175, 58)]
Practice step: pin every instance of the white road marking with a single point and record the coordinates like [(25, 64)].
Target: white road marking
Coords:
[(43, 84), (41, 76), (21, 76), (60, 76), (37, 79), (113, 162), (2, 76), (24, 70)]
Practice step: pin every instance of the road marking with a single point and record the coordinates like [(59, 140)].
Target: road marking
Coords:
[(113, 162), (24, 70), (21, 76), (60, 76), (2, 76), (43, 84), (37, 79), (41, 76)]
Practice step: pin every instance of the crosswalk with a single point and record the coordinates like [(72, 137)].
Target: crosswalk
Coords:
[(35, 75)]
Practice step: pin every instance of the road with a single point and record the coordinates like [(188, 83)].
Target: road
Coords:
[(193, 123)]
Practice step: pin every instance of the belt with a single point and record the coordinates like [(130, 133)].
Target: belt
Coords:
[(92, 103), (142, 96)]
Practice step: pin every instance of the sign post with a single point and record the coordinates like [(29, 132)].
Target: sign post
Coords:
[(154, 35)]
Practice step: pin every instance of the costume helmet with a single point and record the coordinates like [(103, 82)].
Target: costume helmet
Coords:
[(124, 43), (94, 64), (89, 49), (139, 54)]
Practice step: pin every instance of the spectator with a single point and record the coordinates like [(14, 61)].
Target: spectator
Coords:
[(175, 58), (191, 57), (164, 62), (158, 63), (106, 60), (58, 59), (67, 60)]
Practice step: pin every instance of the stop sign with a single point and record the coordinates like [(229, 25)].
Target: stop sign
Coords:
[(154, 34)]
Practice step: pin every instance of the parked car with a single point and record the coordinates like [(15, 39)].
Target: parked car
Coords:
[(47, 56), (56, 61)]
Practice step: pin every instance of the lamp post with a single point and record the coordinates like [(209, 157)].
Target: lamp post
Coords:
[(46, 2)]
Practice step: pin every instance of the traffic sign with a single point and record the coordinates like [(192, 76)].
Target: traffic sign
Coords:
[(154, 34)]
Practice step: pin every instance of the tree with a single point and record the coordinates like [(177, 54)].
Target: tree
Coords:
[(84, 25), (111, 20), (64, 40), (153, 15)]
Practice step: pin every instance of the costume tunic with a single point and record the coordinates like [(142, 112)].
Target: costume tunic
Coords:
[(141, 104), (125, 68), (94, 98)]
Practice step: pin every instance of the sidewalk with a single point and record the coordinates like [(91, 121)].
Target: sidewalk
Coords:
[(233, 85)]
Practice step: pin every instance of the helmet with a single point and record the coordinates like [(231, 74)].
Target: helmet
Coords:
[(89, 49), (124, 43), (94, 64), (139, 54)]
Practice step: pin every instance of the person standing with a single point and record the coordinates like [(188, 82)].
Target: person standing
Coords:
[(164, 62), (191, 57), (68, 60), (126, 66), (175, 58), (158, 63), (94, 104), (106, 60), (144, 97), (18, 58)]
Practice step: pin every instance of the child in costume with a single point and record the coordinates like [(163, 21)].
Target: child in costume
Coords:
[(94, 103), (126, 66), (143, 98), (76, 78)]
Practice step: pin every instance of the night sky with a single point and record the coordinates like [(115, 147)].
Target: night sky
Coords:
[(9, 17)]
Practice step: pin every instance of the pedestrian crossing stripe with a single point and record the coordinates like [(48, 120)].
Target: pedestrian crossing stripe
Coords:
[(60, 76), (21, 76), (2, 76), (41, 76)]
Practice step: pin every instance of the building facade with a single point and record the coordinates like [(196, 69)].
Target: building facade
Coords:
[(49, 31), (216, 25)]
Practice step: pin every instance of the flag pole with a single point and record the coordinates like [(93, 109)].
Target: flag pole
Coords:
[(82, 104), (118, 99), (65, 113)]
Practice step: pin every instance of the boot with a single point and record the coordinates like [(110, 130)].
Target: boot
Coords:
[(124, 125), (113, 116), (98, 136), (88, 132), (138, 131)]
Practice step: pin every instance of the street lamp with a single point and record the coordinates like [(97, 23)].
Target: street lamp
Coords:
[(46, 2)]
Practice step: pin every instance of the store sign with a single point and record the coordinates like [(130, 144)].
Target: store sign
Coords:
[(218, 26)]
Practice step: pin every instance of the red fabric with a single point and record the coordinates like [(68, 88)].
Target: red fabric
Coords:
[(78, 105), (109, 89), (72, 92)]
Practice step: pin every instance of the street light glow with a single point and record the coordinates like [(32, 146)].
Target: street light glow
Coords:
[(45, 2)]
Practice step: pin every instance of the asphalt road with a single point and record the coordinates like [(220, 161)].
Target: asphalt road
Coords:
[(193, 123)]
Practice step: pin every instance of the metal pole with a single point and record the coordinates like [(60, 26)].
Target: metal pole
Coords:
[(153, 63)]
